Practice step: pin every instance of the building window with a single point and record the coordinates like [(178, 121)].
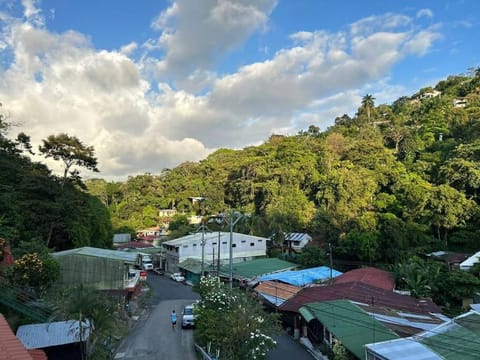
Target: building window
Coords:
[(224, 242), (214, 243), (234, 245), (252, 244), (194, 244), (243, 241), (260, 240)]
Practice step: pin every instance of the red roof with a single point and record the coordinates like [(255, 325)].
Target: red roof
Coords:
[(372, 276), (362, 293), (10, 346)]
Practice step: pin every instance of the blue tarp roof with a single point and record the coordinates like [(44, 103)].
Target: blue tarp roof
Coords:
[(303, 277)]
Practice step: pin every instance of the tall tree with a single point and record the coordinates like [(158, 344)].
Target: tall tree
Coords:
[(71, 151), (368, 102)]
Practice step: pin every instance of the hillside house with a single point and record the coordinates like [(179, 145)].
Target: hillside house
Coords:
[(295, 242)]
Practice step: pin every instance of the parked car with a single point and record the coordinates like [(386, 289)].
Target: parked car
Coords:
[(177, 277), (188, 316)]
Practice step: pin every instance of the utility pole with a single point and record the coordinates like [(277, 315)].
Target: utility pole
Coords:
[(331, 262), (233, 222), (203, 249)]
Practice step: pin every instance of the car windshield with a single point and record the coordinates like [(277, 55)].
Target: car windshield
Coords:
[(188, 311)]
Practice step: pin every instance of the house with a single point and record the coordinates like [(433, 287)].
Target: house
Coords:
[(449, 258), (459, 102), (12, 348), (167, 213), (296, 241), (344, 321), (402, 314), (209, 247), (458, 338), (468, 263), (102, 269), (303, 277), (58, 339), (429, 94), (152, 235)]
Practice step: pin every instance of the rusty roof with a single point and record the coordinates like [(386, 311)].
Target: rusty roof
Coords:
[(372, 276), (277, 289), (362, 293)]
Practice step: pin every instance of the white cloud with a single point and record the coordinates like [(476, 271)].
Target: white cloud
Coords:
[(61, 83), (425, 12), (194, 35)]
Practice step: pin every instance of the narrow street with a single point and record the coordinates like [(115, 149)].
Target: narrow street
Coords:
[(152, 336)]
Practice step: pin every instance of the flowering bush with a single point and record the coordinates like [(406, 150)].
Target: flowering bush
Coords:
[(34, 271), (232, 322)]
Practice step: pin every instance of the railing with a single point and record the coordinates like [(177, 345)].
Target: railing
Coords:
[(205, 355)]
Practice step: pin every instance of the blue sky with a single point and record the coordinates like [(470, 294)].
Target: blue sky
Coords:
[(151, 84)]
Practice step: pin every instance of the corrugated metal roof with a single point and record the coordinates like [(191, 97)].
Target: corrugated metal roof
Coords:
[(468, 263), (37, 336), (350, 324), (297, 237), (128, 257), (10, 346), (362, 293), (303, 277), (402, 349), (372, 276), (457, 339), (257, 267), (276, 292)]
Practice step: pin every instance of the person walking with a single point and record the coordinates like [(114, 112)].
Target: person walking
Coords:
[(173, 318)]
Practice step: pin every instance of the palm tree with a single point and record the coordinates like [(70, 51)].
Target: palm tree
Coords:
[(368, 102)]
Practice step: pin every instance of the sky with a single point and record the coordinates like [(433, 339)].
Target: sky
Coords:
[(152, 84)]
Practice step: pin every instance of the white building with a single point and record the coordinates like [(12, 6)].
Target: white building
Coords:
[(244, 247)]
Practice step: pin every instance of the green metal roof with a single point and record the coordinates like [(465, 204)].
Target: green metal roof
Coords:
[(459, 339), (257, 267), (352, 326)]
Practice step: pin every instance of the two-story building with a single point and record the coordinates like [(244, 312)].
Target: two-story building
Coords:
[(213, 247)]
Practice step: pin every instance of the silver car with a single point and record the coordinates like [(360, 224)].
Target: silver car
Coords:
[(188, 317)]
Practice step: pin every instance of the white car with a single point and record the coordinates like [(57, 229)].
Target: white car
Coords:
[(177, 277), (188, 317)]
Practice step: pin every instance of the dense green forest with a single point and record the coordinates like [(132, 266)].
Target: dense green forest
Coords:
[(389, 182), (40, 210)]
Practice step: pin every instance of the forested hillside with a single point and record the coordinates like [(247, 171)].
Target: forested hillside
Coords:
[(388, 182), (39, 209)]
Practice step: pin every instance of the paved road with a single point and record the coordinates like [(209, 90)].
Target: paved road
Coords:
[(152, 337)]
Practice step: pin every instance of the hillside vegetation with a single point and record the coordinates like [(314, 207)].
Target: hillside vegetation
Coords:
[(391, 181)]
